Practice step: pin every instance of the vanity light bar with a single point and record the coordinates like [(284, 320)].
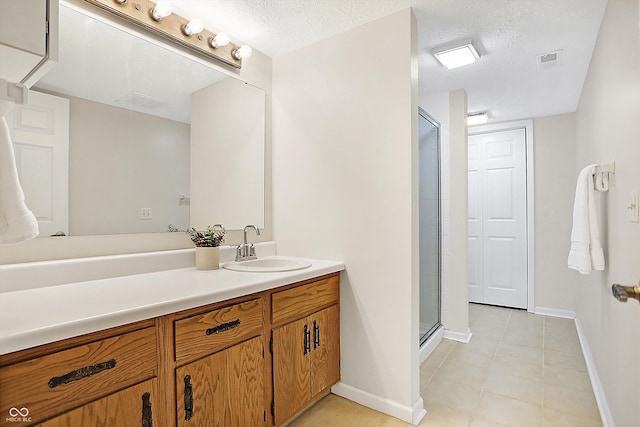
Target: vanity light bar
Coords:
[(172, 27)]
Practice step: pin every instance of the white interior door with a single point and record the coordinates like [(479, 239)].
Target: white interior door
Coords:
[(40, 134), (498, 219)]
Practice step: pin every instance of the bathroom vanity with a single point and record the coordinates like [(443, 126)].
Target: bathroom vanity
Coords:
[(187, 348)]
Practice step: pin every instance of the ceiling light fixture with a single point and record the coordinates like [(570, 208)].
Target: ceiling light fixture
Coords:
[(221, 39), (244, 51), (456, 54), (194, 26), (161, 10), (477, 118)]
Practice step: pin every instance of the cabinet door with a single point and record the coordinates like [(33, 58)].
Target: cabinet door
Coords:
[(325, 356), (291, 369), (56, 383), (225, 389), (132, 407)]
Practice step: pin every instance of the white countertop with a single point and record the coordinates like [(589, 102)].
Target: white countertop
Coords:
[(33, 317)]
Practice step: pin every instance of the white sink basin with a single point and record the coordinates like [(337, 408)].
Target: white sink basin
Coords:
[(268, 264)]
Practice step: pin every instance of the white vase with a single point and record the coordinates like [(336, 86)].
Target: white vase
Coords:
[(207, 258)]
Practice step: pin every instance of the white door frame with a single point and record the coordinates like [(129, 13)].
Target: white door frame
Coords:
[(527, 125)]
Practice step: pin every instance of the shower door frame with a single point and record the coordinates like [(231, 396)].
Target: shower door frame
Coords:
[(422, 113)]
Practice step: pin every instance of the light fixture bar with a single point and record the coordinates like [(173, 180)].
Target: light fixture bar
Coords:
[(171, 27), (456, 54)]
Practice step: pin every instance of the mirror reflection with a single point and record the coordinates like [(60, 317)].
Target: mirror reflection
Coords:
[(104, 144)]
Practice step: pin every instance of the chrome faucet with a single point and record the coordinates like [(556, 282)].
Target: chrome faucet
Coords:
[(246, 251)]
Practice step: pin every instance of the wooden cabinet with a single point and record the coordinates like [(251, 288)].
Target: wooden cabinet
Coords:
[(54, 383), (306, 351), (205, 366), (134, 406), (225, 389), (225, 386), (214, 330)]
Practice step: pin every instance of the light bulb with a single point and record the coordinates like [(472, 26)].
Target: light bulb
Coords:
[(194, 26), (219, 40), (244, 51), (161, 10)]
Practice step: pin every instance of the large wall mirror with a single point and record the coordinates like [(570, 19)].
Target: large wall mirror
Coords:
[(123, 111)]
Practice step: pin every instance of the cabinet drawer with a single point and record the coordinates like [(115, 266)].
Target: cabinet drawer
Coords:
[(49, 385), (301, 301), (208, 333)]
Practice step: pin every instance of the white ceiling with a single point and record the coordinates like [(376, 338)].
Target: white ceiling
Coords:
[(507, 33)]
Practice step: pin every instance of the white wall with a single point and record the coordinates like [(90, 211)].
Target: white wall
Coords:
[(458, 199), (345, 187), (227, 155), (121, 161), (555, 183), (608, 129)]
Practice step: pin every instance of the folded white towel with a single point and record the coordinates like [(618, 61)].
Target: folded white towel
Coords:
[(17, 222), (586, 251)]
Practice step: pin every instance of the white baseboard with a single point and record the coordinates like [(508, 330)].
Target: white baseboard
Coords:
[(427, 348), (464, 337), (598, 391), (407, 414), (554, 312)]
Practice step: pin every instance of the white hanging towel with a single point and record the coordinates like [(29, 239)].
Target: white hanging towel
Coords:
[(586, 251), (17, 222)]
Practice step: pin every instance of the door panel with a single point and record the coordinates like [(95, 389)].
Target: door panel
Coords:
[(498, 219), (224, 389), (325, 359), (475, 236), (40, 134), (291, 369), (132, 407)]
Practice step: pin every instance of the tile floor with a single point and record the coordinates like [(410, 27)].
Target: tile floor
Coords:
[(518, 370)]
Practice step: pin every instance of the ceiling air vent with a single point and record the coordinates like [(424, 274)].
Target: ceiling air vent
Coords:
[(548, 60)]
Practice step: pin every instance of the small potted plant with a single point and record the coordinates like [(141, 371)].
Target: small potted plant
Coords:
[(207, 246)]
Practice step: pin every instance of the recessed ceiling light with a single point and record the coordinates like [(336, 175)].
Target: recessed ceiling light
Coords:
[(477, 118), (457, 54)]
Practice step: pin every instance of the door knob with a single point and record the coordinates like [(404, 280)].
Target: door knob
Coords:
[(622, 293)]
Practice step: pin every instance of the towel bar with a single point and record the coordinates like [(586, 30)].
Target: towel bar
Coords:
[(622, 293)]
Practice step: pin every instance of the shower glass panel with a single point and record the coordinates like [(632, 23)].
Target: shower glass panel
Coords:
[(429, 154)]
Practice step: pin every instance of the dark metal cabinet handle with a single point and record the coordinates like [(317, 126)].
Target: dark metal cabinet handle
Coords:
[(307, 340), (223, 327), (81, 373), (147, 415), (316, 335), (188, 398)]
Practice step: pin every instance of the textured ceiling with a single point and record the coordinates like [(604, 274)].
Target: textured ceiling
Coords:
[(507, 33)]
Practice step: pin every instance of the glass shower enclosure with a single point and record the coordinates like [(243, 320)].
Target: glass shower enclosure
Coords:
[(429, 229)]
